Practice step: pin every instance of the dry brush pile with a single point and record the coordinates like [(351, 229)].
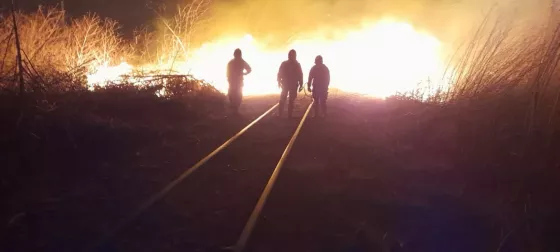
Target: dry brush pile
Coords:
[(59, 51)]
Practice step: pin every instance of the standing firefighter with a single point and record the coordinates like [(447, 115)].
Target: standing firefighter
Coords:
[(236, 69), (319, 78), (290, 78)]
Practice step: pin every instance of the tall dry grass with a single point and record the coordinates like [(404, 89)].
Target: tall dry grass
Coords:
[(507, 65), (500, 57)]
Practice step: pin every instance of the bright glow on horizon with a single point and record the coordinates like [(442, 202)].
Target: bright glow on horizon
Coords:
[(379, 60)]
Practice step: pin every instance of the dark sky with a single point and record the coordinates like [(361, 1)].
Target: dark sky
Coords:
[(129, 13)]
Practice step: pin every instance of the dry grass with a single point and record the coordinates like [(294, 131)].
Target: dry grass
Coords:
[(499, 125), (174, 36), (57, 49), (505, 66)]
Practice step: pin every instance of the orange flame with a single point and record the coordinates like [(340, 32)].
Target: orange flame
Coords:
[(378, 60)]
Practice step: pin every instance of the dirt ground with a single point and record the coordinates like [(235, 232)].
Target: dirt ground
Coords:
[(361, 179)]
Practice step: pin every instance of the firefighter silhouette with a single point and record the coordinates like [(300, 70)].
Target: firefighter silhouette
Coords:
[(319, 80), (290, 78), (236, 69)]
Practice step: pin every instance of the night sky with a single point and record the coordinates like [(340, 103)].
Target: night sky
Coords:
[(129, 13)]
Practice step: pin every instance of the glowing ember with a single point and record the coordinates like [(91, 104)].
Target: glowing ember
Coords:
[(378, 60)]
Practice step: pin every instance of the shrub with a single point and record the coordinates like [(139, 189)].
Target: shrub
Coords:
[(58, 52)]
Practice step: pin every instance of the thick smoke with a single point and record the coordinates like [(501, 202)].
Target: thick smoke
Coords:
[(278, 21)]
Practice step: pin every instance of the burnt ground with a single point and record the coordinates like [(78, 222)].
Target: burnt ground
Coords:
[(372, 176)]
